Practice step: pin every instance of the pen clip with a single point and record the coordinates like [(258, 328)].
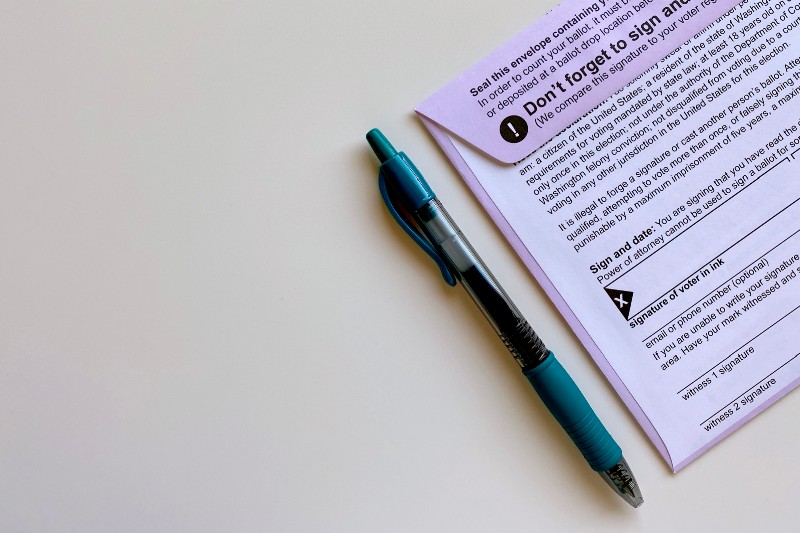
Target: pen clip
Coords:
[(415, 235)]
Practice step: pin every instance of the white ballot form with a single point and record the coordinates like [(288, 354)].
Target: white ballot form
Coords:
[(662, 215)]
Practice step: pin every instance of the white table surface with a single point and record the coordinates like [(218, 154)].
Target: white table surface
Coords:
[(210, 323)]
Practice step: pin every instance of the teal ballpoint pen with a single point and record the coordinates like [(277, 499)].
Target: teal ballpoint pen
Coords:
[(415, 207)]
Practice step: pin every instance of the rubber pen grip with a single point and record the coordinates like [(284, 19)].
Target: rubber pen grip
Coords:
[(567, 404)]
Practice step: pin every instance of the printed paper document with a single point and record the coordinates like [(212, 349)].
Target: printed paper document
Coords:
[(647, 175)]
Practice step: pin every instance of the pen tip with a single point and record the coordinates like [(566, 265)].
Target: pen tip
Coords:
[(380, 145), (620, 478)]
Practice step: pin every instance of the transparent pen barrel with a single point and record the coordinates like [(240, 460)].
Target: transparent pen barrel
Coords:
[(526, 347)]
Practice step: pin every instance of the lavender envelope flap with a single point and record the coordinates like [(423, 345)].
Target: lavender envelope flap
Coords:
[(560, 67)]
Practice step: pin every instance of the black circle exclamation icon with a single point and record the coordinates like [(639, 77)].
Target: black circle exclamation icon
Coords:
[(513, 129)]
